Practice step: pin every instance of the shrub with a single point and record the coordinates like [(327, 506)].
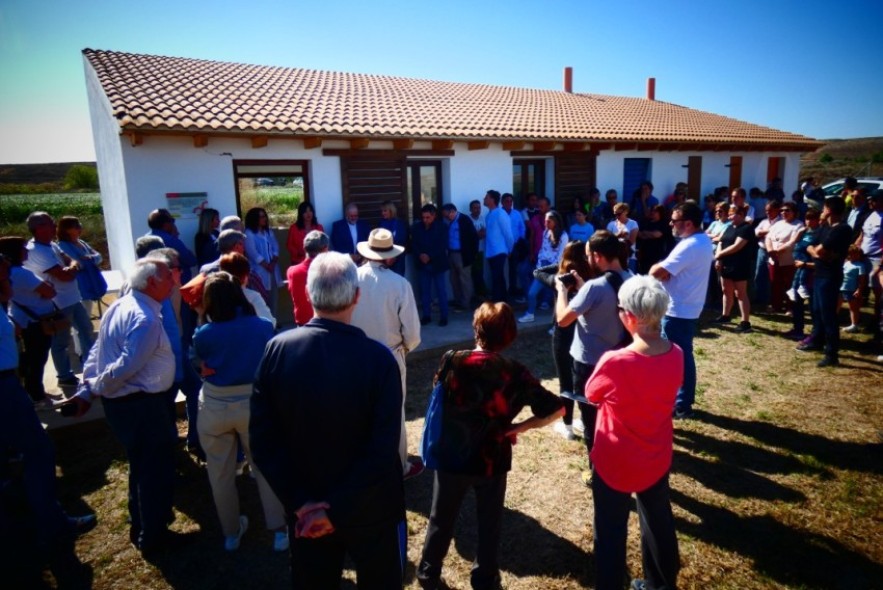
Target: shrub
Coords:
[(80, 176)]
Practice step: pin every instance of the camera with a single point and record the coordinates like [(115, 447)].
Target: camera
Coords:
[(567, 279)]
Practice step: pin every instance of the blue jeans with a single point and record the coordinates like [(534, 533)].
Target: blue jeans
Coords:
[(79, 319), (536, 289), (428, 280), (761, 278), (141, 423), (681, 332), (823, 308), (659, 544)]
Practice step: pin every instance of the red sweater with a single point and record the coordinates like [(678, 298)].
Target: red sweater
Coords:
[(635, 395)]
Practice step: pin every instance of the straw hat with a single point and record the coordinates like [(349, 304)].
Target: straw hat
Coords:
[(379, 245)]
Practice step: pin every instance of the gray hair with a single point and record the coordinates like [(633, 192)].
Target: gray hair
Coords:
[(228, 239), (332, 282), (36, 219), (147, 244), (231, 222), (646, 299), (315, 243), (168, 255), (143, 270)]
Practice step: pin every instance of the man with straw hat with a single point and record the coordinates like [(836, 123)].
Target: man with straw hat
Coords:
[(387, 312)]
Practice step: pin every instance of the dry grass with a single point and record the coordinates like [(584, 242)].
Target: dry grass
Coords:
[(778, 484)]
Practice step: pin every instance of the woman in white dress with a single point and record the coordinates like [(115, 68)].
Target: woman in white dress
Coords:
[(262, 251)]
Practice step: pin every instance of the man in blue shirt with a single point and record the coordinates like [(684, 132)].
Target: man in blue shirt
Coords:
[(498, 242), (429, 245), (462, 250), (162, 224)]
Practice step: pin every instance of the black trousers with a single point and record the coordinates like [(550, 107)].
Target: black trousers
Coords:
[(317, 564), (33, 359), (448, 491), (581, 374), (659, 544), (561, 341)]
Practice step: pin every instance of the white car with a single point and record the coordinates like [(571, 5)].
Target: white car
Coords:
[(871, 184)]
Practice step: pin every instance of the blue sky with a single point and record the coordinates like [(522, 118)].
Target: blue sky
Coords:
[(808, 67)]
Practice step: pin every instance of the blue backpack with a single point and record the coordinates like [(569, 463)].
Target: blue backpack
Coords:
[(432, 425)]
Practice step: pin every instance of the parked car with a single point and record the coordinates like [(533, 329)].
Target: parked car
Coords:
[(264, 182), (871, 184)]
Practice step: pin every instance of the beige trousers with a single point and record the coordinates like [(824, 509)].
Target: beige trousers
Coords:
[(399, 354), (220, 421)]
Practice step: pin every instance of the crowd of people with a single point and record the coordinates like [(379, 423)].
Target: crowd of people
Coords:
[(626, 283)]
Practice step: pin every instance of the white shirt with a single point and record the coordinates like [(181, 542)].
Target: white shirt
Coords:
[(479, 225), (387, 311), (689, 265), (132, 353), (260, 306), (42, 257)]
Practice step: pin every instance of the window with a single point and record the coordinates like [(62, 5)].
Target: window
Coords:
[(424, 185), (635, 171), (278, 186), (528, 176)]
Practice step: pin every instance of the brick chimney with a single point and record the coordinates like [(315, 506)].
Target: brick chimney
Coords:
[(651, 88), (568, 79)]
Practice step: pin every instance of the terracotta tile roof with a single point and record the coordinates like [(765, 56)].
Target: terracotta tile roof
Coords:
[(170, 93)]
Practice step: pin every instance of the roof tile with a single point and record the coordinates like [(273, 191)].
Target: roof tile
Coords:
[(154, 92)]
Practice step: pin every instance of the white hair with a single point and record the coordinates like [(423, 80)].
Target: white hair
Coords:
[(143, 270), (332, 282), (646, 299)]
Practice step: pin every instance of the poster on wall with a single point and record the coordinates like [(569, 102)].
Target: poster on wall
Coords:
[(186, 205)]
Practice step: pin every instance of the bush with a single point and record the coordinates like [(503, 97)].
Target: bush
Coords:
[(80, 176), (14, 209), (826, 158)]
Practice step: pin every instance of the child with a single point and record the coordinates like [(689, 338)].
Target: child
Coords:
[(855, 277), (800, 286)]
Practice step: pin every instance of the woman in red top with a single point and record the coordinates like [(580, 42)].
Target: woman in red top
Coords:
[(306, 222), (634, 389)]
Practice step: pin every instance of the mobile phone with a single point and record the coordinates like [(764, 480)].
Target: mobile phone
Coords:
[(567, 279)]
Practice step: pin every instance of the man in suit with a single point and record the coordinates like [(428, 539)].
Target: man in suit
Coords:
[(429, 245), (349, 231), (462, 251), (341, 487)]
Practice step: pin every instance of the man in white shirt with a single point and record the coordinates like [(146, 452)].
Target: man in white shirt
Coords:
[(387, 313), (47, 261), (476, 215), (684, 275)]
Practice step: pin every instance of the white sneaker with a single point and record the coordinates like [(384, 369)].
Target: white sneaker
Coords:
[(851, 329), (792, 294), (565, 430), (280, 541), (232, 543), (578, 426), (804, 294), (526, 318)]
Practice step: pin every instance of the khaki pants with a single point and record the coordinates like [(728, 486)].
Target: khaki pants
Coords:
[(220, 421), (399, 354)]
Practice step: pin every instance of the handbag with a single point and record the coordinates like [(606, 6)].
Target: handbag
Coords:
[(432, 425), (91, 281), (50, 323)]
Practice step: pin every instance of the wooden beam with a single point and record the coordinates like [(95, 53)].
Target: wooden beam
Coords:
[(312, 142), (360, 143), (402, 144), (200, 141), (648, 147), (259, 141), (478, 145), (513, 146), (543, 146), (575, 147), (384, 153), (624, 147), (136, 138), (443, 144), (597, 147)]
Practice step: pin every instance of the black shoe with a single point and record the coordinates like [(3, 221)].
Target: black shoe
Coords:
[(638, 584), (743, 327), (828, 361), (71, 381), (807, 345), (443, 322), (82, 524), (425, 321), (682, 414), (721, 319), (169, 542)]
